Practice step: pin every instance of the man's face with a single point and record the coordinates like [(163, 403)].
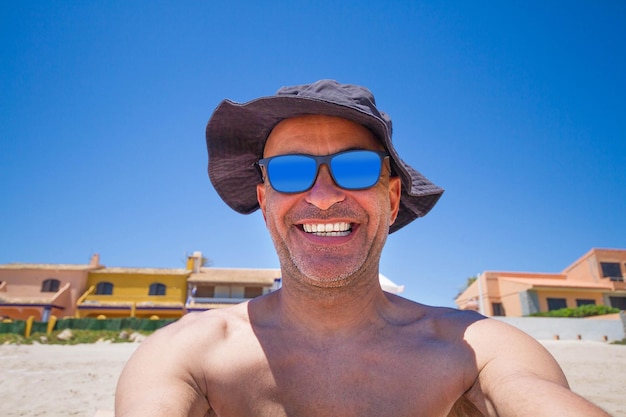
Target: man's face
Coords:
[(359, 219)]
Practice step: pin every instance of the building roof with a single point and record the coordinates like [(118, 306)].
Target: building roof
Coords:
[(144, 271), (529, 275), (50, 267), (235, 276), (597, 252), (557, 283)]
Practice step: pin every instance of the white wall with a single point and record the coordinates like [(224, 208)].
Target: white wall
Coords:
[(547, 328)]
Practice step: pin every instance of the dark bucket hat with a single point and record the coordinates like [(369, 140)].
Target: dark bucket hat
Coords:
[(236, 135)]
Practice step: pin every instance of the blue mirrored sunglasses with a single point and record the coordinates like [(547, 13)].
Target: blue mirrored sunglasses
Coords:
[(351, 170)]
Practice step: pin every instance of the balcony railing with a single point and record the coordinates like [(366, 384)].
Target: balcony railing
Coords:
[(216, 300), (616, 279)]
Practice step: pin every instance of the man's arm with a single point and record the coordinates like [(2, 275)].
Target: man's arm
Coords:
[(518, 377), (159, 379)]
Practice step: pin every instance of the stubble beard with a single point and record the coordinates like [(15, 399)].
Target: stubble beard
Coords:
[(323, 267), (320, 268)]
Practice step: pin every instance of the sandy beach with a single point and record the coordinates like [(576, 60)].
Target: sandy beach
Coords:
[(79, 380)]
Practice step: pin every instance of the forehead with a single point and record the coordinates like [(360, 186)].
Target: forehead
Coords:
[(319, 135)]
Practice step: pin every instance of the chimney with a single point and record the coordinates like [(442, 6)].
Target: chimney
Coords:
[(95, 260), (194, 262)]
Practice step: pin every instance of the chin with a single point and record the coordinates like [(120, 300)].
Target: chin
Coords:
[(331, 277)]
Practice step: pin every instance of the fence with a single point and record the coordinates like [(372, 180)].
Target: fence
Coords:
[(29, 326)]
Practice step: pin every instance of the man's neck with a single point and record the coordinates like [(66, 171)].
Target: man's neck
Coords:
[(329, 311)]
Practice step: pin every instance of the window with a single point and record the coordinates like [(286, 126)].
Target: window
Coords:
[(251, 292), (584, 302), (104, 288), (207, 291), (618, 302), (156, 288), (611, 270), (556, 303), (50, 285), (498, 309)]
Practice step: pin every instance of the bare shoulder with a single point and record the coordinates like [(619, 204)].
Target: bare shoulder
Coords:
[(486, 336), (167, 373), (503, 351), (194, 337), (202, 327), (443, 321), (492, 339)]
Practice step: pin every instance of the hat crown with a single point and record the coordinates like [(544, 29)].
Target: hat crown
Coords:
[(348, 95)]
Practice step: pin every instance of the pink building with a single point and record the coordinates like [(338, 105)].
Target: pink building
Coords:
[(42, 290)]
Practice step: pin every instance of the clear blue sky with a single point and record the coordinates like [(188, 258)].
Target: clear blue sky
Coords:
[(517, 109)]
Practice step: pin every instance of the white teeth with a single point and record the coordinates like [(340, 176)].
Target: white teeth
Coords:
[(328, 229)]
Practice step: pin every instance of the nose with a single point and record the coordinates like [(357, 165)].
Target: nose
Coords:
[(324, 192)]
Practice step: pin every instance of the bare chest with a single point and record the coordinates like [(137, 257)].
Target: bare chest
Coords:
[(396, 379)]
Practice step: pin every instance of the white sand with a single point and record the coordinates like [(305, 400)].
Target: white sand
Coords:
[(595, 370), (59, 381)]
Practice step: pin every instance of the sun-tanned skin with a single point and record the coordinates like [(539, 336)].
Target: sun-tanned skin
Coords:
[(331, 342)]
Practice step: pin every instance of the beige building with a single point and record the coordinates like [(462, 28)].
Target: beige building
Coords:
[(595, 278), (42, 290), (210, 288)]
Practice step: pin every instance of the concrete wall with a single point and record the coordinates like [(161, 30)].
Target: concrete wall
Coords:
[(611, 327)]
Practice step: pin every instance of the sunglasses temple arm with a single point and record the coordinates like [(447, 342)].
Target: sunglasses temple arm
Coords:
[(260, 170)]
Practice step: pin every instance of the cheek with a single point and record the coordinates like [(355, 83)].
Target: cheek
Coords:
[(269, 202), (383, 207), (274, 208)]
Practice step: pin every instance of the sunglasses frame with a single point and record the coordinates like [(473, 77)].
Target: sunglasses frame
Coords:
[(319, 161)]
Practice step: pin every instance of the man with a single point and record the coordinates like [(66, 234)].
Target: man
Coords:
[(318, 161)]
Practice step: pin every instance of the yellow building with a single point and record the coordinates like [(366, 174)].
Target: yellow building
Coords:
[(134, 292), (595, 278)]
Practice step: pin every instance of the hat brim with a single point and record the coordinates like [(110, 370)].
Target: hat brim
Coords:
[(236, 135)]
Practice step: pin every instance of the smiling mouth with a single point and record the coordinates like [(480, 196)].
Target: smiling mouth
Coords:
[(328, 229)]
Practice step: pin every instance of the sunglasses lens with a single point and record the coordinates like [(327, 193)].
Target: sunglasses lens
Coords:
[(356, 170), (351, 170), (291, 173)]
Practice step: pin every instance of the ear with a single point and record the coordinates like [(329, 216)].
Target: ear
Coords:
[(395, 191), (260, 196)]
